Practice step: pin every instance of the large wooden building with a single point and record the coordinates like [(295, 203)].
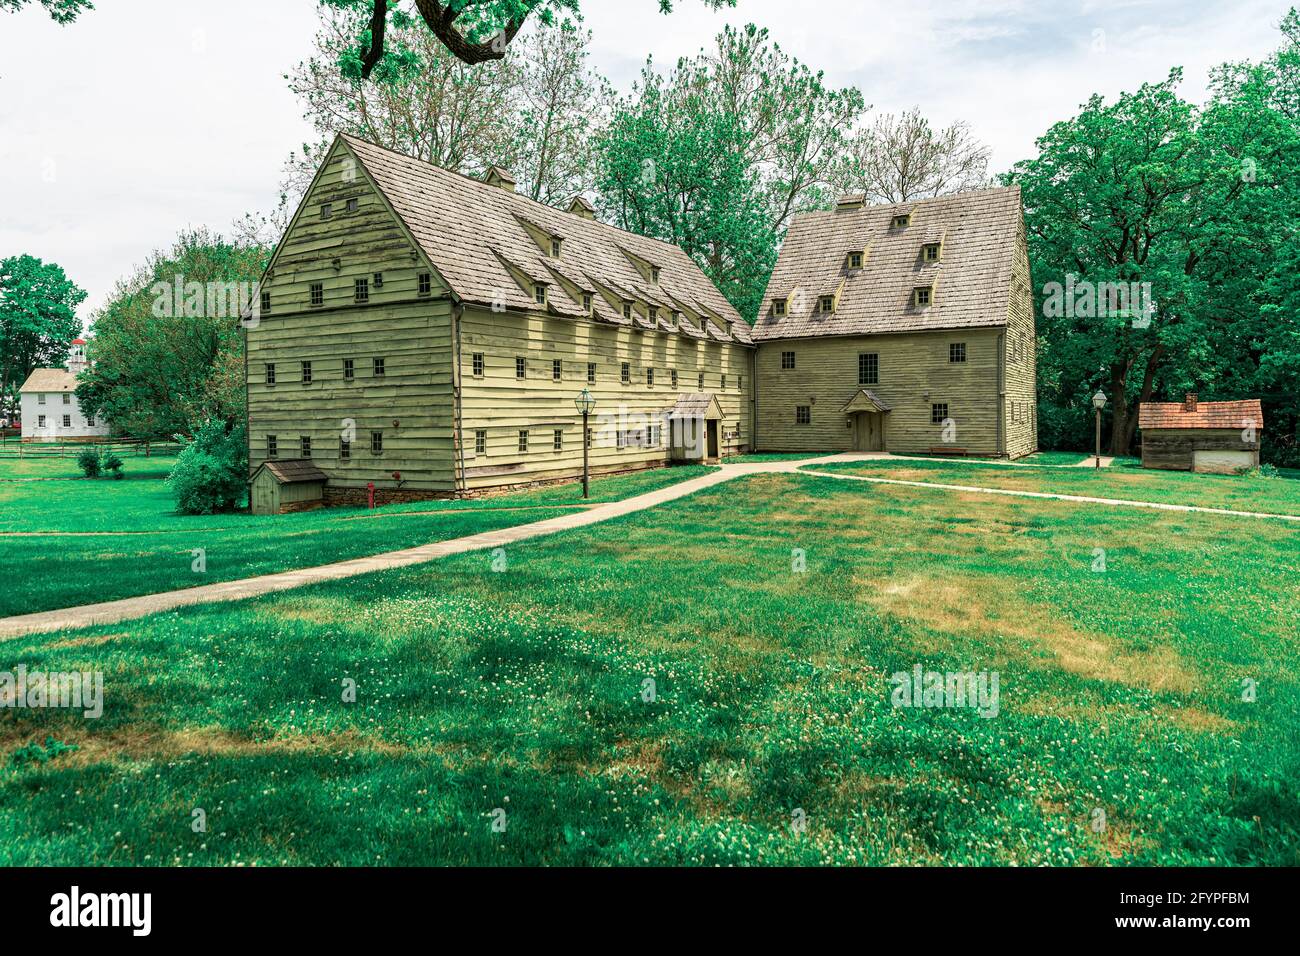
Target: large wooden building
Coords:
[(428, 333), (904, 328)]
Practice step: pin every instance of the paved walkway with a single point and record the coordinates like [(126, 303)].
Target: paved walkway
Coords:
[(128, 608)]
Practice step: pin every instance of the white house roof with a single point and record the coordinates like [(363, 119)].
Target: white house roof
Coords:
[(50, 380)]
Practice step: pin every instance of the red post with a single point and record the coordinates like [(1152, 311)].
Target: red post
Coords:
[(370, 493)]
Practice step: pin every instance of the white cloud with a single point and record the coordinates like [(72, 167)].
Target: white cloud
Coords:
[(157, 114)]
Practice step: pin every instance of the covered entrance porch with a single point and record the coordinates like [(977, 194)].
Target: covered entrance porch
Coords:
[(694, 426), (867, 419)]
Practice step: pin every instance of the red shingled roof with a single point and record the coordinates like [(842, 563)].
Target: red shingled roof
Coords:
[(1207, 415)]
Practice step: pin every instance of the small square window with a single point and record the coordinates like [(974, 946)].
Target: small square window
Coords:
[(700, 387), (557, 370), (826, 303), (557, 439), (317, 293), (938, 413), (376, 443), (650, 377), (586, 302), (654, 274), (40, 421), (477, 364), (673, 376), (379, 280), (351, 205), (40, 399), (555, 248), (803, 414), (425, 283), (67, 421), (272, 447), (362, 290), (930, 252), (654, 313), (855, 260), (349, 370), (787, 360), (521, 367), (957, 352), (266, 303), (523, 439), (270, 373), (921, 297), (377, 367), (480, 441), (591, 373), (304, 446), (345, 450), (903, 221), (326, 210), (539, 293), (627, 310), (306, 373), (625, 374), (67, 398)]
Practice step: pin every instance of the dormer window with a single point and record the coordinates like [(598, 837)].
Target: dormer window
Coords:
[(539, 293), (654, 313), (930, 252), (826, 303), (902, 221), (855, 260), (654, 274), (586, 302), (627, 309), (922, 295), (555, 248), (778, 306)]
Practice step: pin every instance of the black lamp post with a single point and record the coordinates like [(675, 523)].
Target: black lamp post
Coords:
[(585, 403), (1099, 402)]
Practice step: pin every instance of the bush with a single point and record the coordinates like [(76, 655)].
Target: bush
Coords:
[(211, 473), (1264, 471), (112, 464), (88, 461)]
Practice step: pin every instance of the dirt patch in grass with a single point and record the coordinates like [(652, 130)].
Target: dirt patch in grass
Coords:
[(972, 606)]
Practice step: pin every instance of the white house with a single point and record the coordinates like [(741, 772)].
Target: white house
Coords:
[(49, 403)]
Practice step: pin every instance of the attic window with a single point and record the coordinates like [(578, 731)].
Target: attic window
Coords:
[(930, 252), (318, 293), (326, 210), (586, 302), (266, 302), (826, 303), (778, 306), (351, 205), (627, 309), (903, 221), (855, 260), (654, 274), (654, 313), (555, 248), (921, 296), (425, 284), (539, 293)]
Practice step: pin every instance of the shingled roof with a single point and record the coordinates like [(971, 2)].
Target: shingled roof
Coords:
[(50, 380), (473, 233), (972, 280), (289, 471), (1220, 415)]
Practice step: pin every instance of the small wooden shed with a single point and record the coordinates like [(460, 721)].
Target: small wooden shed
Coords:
[(280, 486), (1214, 437)]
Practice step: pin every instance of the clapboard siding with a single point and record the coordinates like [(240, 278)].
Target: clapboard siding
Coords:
[(912, 366), (1020, 404), (501, 404)]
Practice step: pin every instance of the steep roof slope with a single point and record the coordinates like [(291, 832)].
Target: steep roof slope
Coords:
[(474, 232), (972, 280)]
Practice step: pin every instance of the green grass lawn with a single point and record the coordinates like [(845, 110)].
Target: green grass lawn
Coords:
[(1125, 479), (525, 692), (156, 466), (141, 546)]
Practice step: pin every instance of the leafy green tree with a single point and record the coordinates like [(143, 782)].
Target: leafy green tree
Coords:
[(211, 472), (60, 11), (38, 319), (165, 362), (475, 31)]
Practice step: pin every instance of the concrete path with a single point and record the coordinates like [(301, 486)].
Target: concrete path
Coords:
[(112, 611), (129, 608)]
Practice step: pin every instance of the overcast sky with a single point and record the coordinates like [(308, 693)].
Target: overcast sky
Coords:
[(148, 116)]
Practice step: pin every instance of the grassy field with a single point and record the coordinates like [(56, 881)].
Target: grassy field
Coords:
[(80, 542), (521, 697), (156, 466), (1125, 479)]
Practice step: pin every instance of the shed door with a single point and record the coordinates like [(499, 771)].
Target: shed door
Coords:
[(265, 498)]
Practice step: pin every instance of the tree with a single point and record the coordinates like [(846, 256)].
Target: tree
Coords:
[(719, 153), (168, 344), (60, 11), (474, 31), (904, 157), (38, 319)]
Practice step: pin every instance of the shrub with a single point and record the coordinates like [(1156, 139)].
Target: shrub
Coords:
[(112, 464), (88, 461), (211, 472), (1264, 471)]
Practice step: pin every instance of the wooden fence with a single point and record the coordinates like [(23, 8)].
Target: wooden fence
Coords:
[(12, 447)]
